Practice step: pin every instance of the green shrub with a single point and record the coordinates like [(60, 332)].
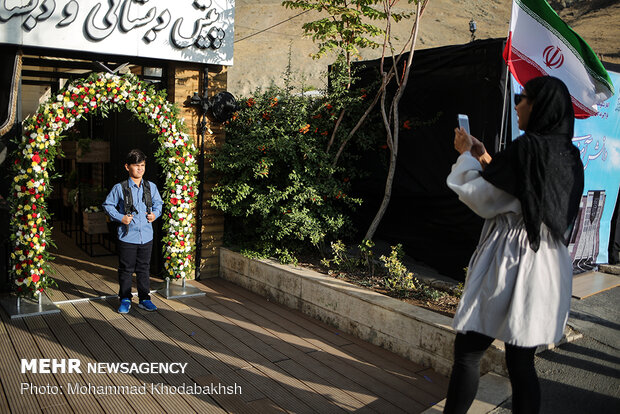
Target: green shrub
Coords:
[(398, 278), (341, 260), (277, 186)]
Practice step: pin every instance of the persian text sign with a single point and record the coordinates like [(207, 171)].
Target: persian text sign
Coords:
[(598, 141), (188, 30)]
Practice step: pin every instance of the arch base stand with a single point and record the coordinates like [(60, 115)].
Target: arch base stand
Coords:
[(176, 291), (17, 307)]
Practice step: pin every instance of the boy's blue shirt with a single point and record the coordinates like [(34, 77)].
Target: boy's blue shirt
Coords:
[(139, 231)]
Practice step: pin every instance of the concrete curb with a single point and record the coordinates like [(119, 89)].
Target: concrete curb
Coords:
[(609, 268)]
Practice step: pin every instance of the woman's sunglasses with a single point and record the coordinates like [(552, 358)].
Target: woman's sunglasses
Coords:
[(519, 97)]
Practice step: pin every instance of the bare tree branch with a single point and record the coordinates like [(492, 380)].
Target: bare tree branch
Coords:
[(333, 137), (393, 131)]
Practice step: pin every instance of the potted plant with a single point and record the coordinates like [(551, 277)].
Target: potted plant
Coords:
[(94, 218), (69, 143), (92, 150)]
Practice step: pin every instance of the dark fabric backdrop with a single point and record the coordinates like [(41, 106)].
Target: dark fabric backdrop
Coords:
[(424, 214), (7, 81)]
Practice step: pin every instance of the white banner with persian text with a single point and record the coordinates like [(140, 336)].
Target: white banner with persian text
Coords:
[(200, 31)]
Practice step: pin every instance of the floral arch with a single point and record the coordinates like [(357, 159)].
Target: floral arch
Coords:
[(39, 146)]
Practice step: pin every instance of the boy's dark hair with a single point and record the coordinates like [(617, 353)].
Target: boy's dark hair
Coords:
[(135, 156)]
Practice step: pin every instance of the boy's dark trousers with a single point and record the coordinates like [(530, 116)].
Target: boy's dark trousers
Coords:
[(134, 258)]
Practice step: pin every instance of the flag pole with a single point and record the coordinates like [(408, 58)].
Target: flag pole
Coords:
[(502, 133)]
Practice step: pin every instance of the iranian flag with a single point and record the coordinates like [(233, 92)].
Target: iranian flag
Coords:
[(540, 43)]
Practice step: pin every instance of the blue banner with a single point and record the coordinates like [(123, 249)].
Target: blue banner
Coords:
[(598, 140)]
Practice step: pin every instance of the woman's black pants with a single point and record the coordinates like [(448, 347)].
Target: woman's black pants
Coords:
[(134, 258), (468, 351)]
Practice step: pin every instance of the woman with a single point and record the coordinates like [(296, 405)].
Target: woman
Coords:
[(519, 283)]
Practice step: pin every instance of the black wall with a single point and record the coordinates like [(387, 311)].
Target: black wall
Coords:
[(424, 214)]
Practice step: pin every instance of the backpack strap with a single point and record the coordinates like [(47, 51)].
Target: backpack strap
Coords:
[(146, 195), (127, 198)]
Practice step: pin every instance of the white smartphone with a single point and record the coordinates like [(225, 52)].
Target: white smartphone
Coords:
[(464, 122)]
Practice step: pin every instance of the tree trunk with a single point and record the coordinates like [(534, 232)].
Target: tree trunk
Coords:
[(393, 131)]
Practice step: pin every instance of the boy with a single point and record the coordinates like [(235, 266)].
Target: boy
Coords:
[(135, 203)]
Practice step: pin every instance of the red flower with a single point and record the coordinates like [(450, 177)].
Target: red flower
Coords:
[(251, 102), (174, 201), (36, 158), (35, 278), (407, 124)]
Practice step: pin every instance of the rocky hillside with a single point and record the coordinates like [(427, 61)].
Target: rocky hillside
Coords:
[(261, 56)]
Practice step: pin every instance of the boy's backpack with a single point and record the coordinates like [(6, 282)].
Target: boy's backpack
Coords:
[(128, 198)]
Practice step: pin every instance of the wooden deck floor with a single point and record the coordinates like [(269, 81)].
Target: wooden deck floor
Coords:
[(281, 360)]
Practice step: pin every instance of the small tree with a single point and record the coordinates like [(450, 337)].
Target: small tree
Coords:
[(346, 31), (390, 114)]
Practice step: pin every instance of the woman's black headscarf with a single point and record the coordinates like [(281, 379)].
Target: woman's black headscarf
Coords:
[(542, 167)]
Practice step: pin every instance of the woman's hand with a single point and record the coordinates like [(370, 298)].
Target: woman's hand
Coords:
[(477, 148), (465, 142), (462, 140)]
